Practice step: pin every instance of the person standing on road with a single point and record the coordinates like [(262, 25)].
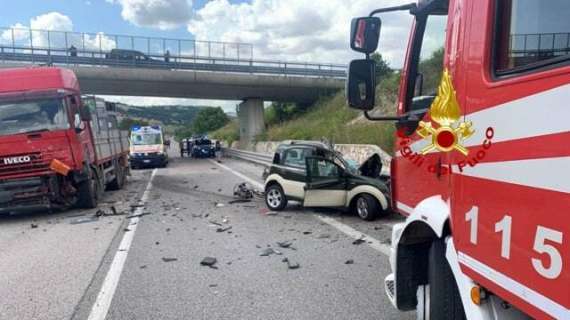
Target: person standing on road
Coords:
[(167, 56), (73, 51)]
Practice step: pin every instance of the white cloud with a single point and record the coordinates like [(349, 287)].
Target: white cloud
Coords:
[(161, 14), (301, 30), (226, 105), (52, 21)]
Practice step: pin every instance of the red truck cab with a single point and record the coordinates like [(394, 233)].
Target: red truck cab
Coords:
[(48, 156), (481, 157)]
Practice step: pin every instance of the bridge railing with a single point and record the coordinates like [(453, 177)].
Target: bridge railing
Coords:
[(83, 49), (102, 42)]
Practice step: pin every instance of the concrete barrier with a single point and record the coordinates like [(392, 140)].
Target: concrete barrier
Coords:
[(356, 152)]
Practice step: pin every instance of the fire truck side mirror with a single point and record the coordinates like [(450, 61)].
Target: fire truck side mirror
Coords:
[(361, 84), (364, 34)]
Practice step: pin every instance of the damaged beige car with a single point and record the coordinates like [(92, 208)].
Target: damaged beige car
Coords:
[(317, 176)]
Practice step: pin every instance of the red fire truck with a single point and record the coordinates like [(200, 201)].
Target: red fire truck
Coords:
[(481, 166), (57, 149)]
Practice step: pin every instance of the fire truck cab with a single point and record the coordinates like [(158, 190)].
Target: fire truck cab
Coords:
[(481, 157)]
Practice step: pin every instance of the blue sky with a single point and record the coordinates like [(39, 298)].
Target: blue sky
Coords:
[(87, 16), (285, 30)]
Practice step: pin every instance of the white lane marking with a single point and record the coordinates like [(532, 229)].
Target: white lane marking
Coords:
[(353, 233), (248, 179), (349, 231), (105, 296), (525, 293)]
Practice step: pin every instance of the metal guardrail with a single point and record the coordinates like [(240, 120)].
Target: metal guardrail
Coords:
[(266, 160), (255, 157), (81, 49)]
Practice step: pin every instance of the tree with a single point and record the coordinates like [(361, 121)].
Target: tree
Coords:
[(128, 123), (209, 119), (382, 67)]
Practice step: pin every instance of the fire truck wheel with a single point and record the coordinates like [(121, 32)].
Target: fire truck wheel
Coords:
[(88, 192), (444, 299), (367, 207)]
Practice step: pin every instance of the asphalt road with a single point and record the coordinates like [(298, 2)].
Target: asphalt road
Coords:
[(150, 268)]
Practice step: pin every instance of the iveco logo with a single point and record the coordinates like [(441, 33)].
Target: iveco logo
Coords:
[(15, 160)]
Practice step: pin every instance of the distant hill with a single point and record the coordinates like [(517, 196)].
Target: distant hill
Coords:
[(167, 115)]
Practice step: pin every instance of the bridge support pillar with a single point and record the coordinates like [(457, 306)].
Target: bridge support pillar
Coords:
[(251, 121)]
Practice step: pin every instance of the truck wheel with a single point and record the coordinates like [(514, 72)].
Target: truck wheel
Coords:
[(88, 192), (120, 176), (367, 207), (275, 198), (443, 296)]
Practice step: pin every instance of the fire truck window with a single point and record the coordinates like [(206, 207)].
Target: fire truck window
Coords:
[(430, 67), (531, 33)]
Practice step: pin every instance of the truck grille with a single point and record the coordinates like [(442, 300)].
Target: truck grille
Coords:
[(37, 164)]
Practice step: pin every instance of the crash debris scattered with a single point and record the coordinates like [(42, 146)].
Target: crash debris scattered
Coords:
[(209, 262)]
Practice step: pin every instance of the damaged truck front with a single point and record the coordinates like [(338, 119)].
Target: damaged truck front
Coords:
[(53, 152)]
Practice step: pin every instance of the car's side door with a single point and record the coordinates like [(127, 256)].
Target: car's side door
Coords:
[(326, 183), (292, 171)]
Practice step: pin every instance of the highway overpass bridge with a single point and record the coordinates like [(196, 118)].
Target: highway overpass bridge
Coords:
[(159, 67)]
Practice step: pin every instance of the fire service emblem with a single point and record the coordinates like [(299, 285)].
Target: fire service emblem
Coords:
[(449, 133)]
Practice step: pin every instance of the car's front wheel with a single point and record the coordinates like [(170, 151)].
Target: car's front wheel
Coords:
[(367, 207), (275, 197)]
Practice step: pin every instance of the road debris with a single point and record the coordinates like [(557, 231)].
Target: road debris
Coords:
[(84, 220), (215, 223), (239, 201), (243, 191), (223, 229), (284, 244), (291, 265), (349, 261), (269, 251), (143, 267), (33, 226), (138, 215), (169, 259), (323, 236), (359, 241), (220, 205), (209, 262)]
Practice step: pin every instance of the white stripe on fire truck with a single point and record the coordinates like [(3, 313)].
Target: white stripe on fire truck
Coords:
[(536, 173), (536, 115), (402, 206), (543, 303)]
